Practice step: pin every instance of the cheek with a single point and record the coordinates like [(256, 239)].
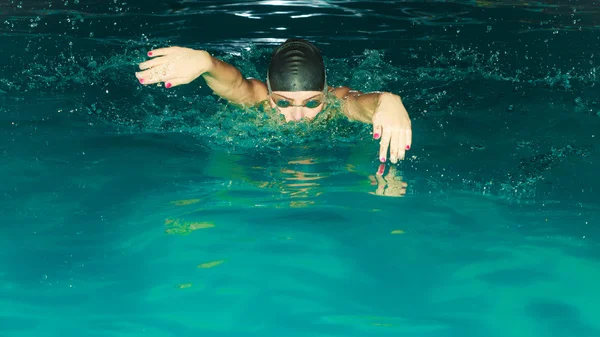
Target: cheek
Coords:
[(285, 112), (312, 113)]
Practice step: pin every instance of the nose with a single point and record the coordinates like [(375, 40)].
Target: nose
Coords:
[(297, 113)]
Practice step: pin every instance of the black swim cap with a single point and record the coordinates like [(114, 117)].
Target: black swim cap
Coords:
[(296, 65)]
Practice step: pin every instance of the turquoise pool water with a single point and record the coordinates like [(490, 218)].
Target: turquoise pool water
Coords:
[(139, 211)]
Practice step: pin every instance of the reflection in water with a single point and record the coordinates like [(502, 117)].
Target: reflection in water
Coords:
[(210, 264), (302, 181), (300, 185), (295, 180), (182, 227), (390, 185)]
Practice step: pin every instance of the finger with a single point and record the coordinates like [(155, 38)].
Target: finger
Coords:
[(143, 77), (380, 170), (395, 189), (408, 139), (401, 154), (150, 76), (384, 145), (161, 51), (394, 146), (377, 125), (401, 192), (391, 173), (155, 75), (153, 63), (401, 146), (381, 185), (176, 81), (377, 130)]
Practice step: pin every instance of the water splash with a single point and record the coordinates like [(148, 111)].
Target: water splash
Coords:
[(104, 87)]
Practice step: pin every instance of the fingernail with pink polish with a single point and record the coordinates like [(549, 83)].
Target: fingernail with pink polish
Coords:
[(408, 147), (382, 159), (168, 85), (376, 136), (141, 80), (149, 53)]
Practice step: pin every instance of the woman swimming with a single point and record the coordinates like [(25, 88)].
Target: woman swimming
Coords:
[(296, 85)]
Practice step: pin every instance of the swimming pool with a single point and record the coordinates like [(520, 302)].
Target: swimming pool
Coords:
[(140, 211)]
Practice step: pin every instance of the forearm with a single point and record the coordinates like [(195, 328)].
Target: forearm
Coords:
[(360, 106), (227, 82)]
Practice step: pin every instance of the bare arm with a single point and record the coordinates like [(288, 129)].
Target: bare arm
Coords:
[(358, 105), (176, 66), (227, 82), (388, 115)]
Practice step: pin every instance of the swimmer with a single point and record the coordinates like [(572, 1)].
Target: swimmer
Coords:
[(296, 86)]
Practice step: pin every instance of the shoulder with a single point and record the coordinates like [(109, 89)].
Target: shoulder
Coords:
[(341, 92)]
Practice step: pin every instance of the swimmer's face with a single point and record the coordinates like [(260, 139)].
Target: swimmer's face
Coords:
[(295, 105)]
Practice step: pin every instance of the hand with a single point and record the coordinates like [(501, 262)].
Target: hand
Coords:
[(391, 185), (175, 66), (392, 123)]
